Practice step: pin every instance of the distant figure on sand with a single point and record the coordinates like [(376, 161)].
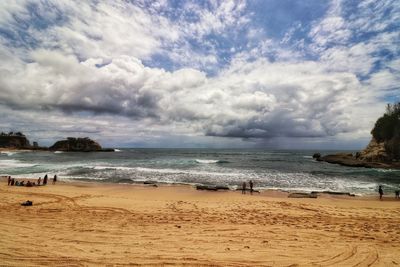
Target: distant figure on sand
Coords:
[(251, 187), (9, 180), (397, 193), (45, 180), (244, 188), (39, 180), (380, 192), (54, 179), (12, 181)]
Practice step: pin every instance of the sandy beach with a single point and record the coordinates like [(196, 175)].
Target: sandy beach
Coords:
[(80, 224)]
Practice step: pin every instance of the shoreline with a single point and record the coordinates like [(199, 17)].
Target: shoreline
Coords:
[(267, 192), (364, 189), (85, 223)]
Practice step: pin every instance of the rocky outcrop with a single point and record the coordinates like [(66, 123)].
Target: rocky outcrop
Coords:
[(374, 152), (17, 140), (383, 151), (373, 156), (352, 161), (317, 156), (77, 145), (14, 141)]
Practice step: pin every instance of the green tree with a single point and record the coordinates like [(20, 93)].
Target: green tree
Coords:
[(387, 130)]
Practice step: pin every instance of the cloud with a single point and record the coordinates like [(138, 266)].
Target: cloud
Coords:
[(246, 100), (152, 71)]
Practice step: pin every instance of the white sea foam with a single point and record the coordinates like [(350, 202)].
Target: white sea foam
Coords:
[(165, 171), (58, 152), (206, 161), (117, 150), (197, 168), (210, 161), (8, 153), (12, 163), (98, 167), (386, 170)]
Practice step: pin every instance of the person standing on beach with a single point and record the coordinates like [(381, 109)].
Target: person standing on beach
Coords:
[(244, 188), (39, 180), (54, 179), (380, 192), (251, 187), (9, 180), (45, 180)]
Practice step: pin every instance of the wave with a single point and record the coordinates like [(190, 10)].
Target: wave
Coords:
[(12, 163), (58, 152), (386, 170), (210, 161), (117, 150), (8, 153), (160, 171), (307, 157), (110, 168)]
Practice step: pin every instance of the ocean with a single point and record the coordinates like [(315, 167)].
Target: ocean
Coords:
[(285, 170)]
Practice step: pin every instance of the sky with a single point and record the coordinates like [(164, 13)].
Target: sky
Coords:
[(276, 74)]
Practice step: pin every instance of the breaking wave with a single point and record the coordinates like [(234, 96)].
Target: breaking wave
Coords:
[(12, 163), (210, 161)]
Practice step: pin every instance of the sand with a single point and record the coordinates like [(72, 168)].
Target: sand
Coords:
[(85, 224)]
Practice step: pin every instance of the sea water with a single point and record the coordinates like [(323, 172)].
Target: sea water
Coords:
[(286, 170)]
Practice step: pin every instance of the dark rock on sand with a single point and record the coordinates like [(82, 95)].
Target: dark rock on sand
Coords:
[(206, 187), (334, 193), (303, 195), (212, 187), (150, 182), (222, 187)]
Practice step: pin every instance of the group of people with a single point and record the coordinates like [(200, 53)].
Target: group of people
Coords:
[(396, 193), (380, 190), (13, 182), (244, 187)]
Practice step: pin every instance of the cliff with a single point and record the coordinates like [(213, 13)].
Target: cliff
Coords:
[(14, 141), (374, 152), (383, 151), (77, 145)]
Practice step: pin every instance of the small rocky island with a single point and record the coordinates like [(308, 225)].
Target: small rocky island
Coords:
[(383, 151), (73, 144), (18, 140)]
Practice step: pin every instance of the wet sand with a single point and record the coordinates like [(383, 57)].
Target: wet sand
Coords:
[(82, 224)]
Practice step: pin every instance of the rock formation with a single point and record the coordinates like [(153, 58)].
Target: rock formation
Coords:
[(374, 152), (17, 140), (11, 140), (76, 145), (383, 151)]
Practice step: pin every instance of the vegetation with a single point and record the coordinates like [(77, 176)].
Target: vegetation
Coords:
[(387, 130), (11, 134)]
